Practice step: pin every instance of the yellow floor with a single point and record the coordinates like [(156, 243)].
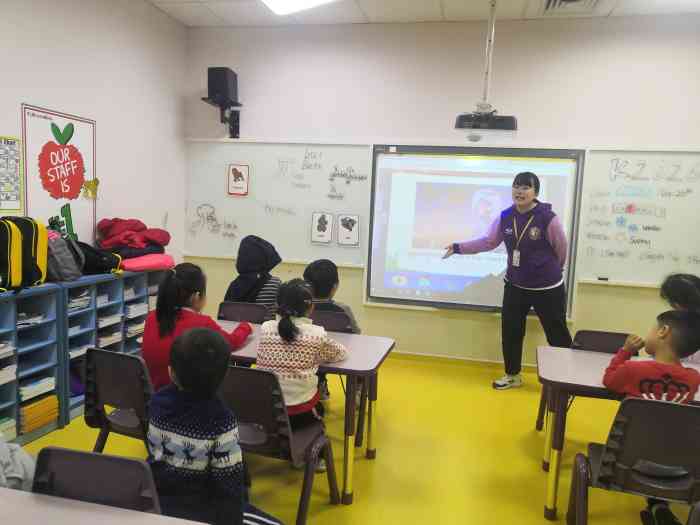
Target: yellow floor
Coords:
[(450, 450)]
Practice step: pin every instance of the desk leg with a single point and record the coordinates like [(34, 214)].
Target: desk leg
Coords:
[(560, 401), (372, 380), (361, 413), (349, 448), (548, 428)]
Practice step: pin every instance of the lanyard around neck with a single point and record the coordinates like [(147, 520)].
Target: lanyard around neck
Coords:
[(519, 238)]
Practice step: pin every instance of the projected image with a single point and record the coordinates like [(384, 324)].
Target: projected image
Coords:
[(463, 211), (423, 202)]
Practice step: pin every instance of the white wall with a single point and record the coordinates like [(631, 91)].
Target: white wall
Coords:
[(121, 63), (619, 81), (625, 82)]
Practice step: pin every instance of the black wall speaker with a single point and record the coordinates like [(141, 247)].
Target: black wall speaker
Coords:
[(223, 87)]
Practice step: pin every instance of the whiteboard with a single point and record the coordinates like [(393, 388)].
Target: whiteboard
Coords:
[(639, 216), (298, 196)]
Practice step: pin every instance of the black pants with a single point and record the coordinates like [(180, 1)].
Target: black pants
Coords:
[(550, 306)]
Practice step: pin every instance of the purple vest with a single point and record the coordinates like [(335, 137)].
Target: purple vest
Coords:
[(539, 266)]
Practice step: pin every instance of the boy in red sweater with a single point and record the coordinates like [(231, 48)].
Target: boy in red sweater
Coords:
[(675, 336)]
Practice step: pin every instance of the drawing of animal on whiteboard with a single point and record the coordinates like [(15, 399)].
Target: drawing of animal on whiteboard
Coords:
[(207, 221)]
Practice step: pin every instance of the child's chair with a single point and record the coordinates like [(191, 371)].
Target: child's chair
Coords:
[(651, 451), (256, 398)]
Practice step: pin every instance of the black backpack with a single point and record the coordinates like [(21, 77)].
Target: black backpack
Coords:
[(99, 261)]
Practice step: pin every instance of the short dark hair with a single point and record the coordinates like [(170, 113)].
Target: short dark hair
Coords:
[(683, 290), (199, 358), (527, 178), (322, 275), (685, 331)]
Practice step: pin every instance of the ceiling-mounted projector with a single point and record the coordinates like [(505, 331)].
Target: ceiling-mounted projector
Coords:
[(485, 119)]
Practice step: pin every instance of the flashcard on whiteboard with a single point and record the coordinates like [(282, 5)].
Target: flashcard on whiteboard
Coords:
[(238, 179), (349, 230), (322, 227)]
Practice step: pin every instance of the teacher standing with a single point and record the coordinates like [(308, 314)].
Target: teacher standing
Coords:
[(537, 248)]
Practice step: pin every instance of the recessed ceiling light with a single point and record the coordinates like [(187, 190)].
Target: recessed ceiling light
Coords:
[(285, 7)]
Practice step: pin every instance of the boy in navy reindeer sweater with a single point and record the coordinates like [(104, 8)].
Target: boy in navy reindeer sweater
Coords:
[(193, 437)]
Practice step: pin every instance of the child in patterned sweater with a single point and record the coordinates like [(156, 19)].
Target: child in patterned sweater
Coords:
[(193, 437), (293, 348)]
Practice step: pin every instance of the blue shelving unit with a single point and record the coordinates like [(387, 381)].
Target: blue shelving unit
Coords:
[(37, 352), (73, 316), (8, 343)]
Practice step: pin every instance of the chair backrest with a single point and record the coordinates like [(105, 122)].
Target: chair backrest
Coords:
[(598, 341), (96, 478), (332, 321), (255, 397), (117, 380), (249, 312), (653, 450), (694, 516)]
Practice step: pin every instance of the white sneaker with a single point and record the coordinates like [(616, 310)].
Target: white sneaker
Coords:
[(508, 381)]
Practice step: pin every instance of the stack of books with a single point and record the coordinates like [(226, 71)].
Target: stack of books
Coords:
[(102, 299), (134, 329), (109, 339), (78, 351), (36, 387), (79, 301), (8, 373), (136, 310), (109, 320), (29, 319), (8, 429), (38, 414), (6, 349)]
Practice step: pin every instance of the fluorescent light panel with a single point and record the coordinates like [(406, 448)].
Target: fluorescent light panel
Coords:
[(286, 7)]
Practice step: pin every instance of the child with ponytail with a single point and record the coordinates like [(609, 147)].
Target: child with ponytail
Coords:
[(293, 348), (181, 298)]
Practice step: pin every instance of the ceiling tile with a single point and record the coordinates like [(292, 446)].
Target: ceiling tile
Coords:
[(469, 10), (342, 12), (656, 7), (190, 13), (245, 13), (402, 10)]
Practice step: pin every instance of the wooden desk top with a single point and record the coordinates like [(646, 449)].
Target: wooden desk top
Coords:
[(366, 352), (26, 507)]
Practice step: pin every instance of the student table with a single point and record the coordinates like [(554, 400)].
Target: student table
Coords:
[(564, 373), (366, 353), (27, 507)]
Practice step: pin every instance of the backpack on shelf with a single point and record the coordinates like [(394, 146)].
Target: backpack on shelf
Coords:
[(99, 261), (26, 241), (66, 259)]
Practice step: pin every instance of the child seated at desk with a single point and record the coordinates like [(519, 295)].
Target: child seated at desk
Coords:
[(254, 284), (675, 335), (193, 446), (293, 348), (181, 299), (322, 275)]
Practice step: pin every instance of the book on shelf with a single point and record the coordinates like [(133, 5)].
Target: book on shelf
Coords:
[(28, 319), (152, 302), (102, 299), (6, 350), (8, 373), (106, 340), (79, 301), (36, 387), (109, 320), (136, 310), (78, 351)]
